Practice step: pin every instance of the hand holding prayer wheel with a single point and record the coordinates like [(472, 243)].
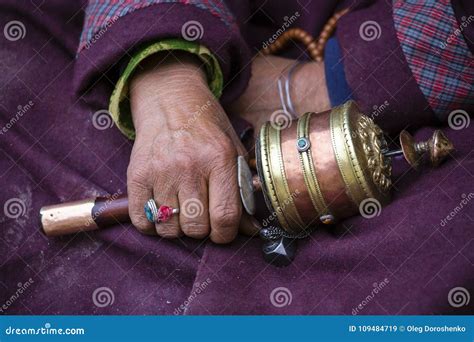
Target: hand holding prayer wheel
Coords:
[(184, 154)]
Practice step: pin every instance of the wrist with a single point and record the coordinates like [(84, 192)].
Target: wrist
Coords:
[(169, 65), (310, 90)]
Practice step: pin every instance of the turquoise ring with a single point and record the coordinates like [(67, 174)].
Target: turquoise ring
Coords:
[(151, 210)]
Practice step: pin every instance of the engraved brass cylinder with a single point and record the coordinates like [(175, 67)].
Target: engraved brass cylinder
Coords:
[(321, 167)]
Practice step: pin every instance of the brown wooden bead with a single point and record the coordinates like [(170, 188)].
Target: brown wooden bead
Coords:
[(314, 47), (314, 55), (307, 40), (324, 35)]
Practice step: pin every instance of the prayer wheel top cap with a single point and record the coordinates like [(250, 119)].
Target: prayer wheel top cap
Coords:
[(359, 145), (438, 147)]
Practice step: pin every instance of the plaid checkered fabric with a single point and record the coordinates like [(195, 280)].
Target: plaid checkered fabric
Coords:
[(100, 14), (440, 60)]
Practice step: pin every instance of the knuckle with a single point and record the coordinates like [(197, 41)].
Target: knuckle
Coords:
[(183, 159), (167, 231), (136, 177), (226, 216), (227, 148), (223, 168), (224, 163), (141, 223), (158, 165)]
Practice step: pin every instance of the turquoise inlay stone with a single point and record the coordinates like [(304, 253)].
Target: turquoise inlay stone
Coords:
[(148, 213), (302, 144)]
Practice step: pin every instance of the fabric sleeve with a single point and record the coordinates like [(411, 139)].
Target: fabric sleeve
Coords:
[(119, 106), (114, 30), (437, 53), (393, 64), (338, 89)]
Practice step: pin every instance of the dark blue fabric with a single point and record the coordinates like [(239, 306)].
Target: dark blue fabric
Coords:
[(338, 88)]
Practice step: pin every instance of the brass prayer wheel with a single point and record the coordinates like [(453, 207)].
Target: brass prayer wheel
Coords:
[(321, 167)]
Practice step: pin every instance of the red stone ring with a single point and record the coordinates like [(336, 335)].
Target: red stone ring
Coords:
[(158, 215)]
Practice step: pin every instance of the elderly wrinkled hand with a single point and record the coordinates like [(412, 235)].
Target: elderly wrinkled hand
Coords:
[(185, 151)]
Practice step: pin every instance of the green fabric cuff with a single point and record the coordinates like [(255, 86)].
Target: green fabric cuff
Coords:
[(119, 106)]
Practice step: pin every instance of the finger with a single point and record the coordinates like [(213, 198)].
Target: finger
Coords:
[(194, 208), (249, 225), (165, 193), (224, 202), (232, 134), (138, 194), (241, 150)]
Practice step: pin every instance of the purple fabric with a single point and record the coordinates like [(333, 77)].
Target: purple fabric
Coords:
[(465, 10), (102, 13), (151, 24), (378, 67), (53, 152)]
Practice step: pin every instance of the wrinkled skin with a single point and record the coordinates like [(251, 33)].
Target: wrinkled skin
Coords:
[(261, 98), (185, 151)]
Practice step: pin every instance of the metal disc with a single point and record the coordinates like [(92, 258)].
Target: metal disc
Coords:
[(408, 147), (244, 176)]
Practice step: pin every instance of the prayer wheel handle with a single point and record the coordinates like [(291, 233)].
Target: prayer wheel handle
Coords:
[(84, 215)]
